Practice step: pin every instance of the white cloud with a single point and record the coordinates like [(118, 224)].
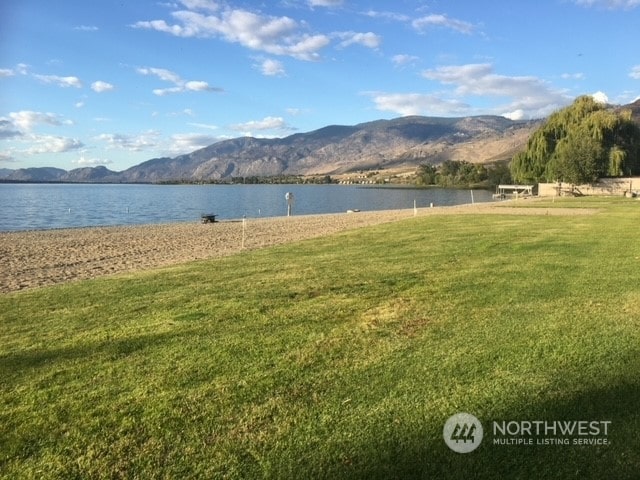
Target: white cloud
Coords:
[(417, 104), (274, 35), (423, 23), (26, 120), (206, 5), (20, 69), (294, 112), (86, 28), (134, 143), (84, 161), (610, 4), (267, 123), (398, 17), (368, 39), (161, 92), (635, 72), (161, 73), (530, 94), (187, 112), (198, 86), (272, 68), (572, 76), (6, 157), (21, 125), (101, 86), (52, 144), (306, 48), (326, 3), (401, 60), (515, 115), (600, 97), (162, 26), (204, 125), (524, 97), (8, 129), (454, 73), (188, 142), (64, 82), (180, 84)]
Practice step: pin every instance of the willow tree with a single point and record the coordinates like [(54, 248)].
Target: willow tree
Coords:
[(580, 143), (617, 158), (577, 159)]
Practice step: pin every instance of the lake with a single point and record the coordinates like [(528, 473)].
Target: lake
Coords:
[(47, 206)]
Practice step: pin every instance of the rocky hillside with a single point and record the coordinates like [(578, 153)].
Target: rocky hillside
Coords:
[(406, 141), (402, 142), (635, 110), (44, 174)]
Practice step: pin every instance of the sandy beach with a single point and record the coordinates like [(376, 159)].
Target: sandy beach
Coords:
[(38, 258)]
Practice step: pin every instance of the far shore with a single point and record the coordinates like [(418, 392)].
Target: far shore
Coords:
[(30, 259)]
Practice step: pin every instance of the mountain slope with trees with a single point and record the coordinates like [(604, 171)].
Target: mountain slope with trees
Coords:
[(579, 144)]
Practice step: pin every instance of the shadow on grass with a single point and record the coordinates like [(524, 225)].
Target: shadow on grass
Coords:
[(15, 364), (412, 454)]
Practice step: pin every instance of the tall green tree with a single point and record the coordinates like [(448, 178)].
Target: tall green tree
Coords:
[(498, 173), (453, 173), (578, 159), (579, 144), (427, 174)]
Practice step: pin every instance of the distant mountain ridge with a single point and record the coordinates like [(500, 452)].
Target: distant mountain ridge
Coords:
[(404, 142), (335, 149)]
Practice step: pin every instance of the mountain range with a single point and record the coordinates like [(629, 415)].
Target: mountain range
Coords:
[(401, 143)]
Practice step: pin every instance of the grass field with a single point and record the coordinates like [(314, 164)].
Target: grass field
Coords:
[(340, 357)]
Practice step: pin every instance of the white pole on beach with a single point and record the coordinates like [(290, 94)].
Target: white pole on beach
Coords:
[(472, 202), (289, 197), (244, 227), (415, 208)]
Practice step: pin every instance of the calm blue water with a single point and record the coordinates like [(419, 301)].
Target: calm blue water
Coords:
[(45, 206)]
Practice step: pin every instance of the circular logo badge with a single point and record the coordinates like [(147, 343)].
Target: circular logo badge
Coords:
[(462, 433)]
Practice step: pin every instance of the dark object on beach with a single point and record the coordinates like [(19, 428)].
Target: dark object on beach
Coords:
[(208, 218)]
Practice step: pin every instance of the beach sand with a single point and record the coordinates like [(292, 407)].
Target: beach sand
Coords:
[(46, 257)]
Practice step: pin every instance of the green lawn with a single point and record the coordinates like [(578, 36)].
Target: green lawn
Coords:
[(339, 357)]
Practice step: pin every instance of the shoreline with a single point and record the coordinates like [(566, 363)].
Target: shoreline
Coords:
[(37, 258)]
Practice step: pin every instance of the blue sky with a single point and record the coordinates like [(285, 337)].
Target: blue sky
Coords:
[(86, 83)]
